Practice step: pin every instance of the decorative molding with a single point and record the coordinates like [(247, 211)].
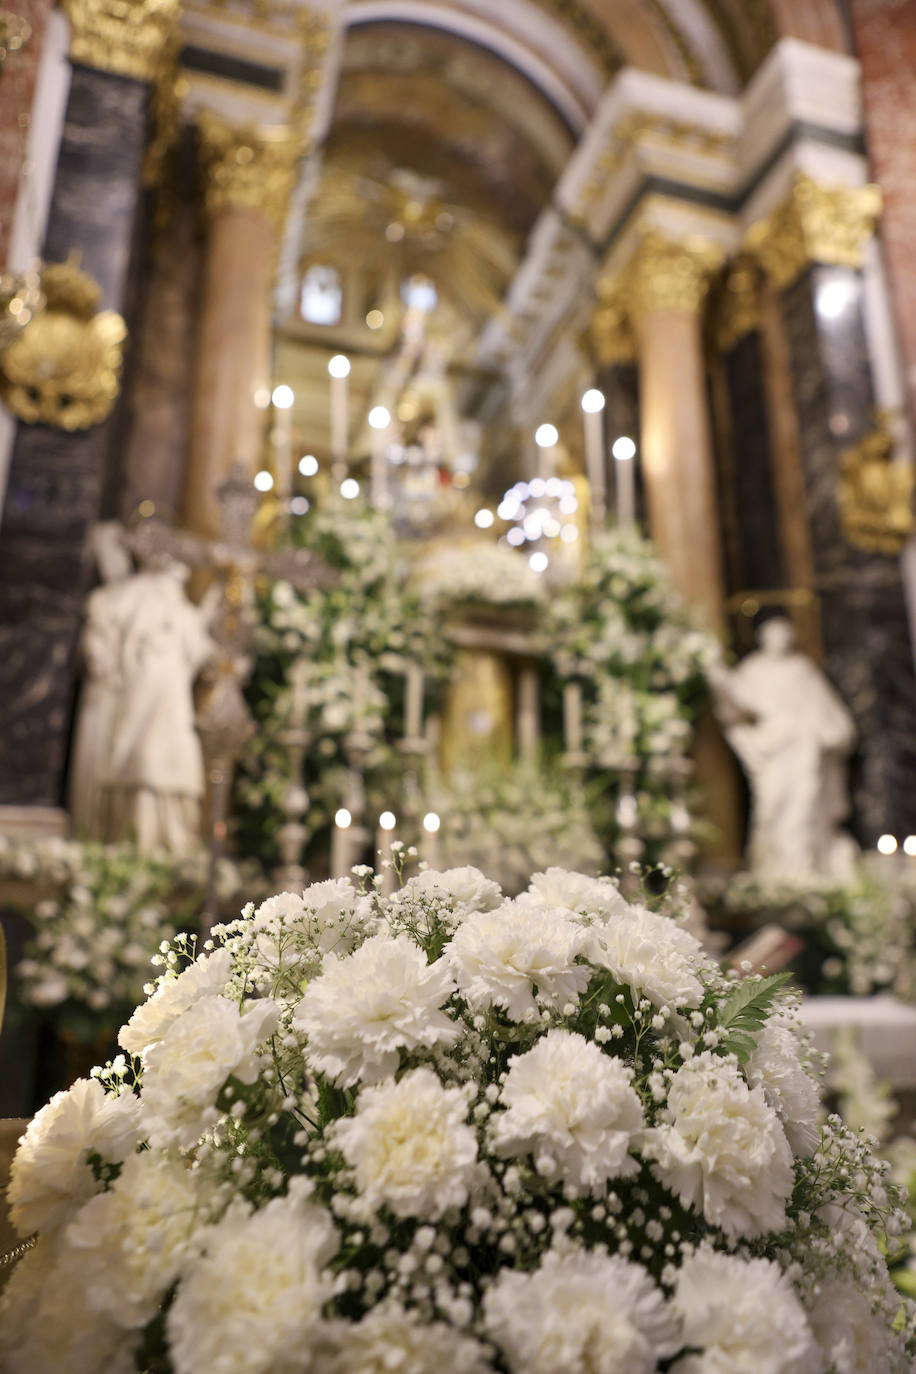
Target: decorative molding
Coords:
[(738, 311), (816, 223), (875, 493), (668, 274), (125, 39), (248, 169), (609, 333), (64, 369)]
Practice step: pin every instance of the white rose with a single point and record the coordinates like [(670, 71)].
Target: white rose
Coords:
[(722, 1150), (365, 1008), (498, 957), (571, 1103), (51, 1178), (208, 975), (186, 1069)]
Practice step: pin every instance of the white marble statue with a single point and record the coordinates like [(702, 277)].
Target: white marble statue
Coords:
[(792, 734), (138, 766)]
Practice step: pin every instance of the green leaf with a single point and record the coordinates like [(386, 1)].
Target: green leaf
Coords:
[(744, 1013)]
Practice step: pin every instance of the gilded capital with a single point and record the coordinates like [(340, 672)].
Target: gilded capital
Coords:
[(248, 169), (124, 37), (828, 224), (668, 274), (738, 306)]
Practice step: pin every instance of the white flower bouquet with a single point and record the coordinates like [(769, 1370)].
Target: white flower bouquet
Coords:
[(445, 1131)]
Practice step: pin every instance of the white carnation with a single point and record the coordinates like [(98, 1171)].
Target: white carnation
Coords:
[(742, 1316), (791, 1092), (326, 916), (207, 976), (851, 1337), (252, 1303), (50, 1177), (499, 957), (129, 1243), (651, 955), (186, 1069), (722, 1150), (467, 886), (580, 1313), (573, 1108), (410, 1146), (576, 892), (364, 1009), (392, 1340)]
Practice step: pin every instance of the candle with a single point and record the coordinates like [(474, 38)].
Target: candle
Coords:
[(431, 823), (572, 717), (339, 369), (593, 423), (413, 702), (283, 398), (624, 451), (384, 845), (546, 438), (340, 844), (528, 719), (379, 422)]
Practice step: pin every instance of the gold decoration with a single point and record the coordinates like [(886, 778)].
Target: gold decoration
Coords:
[(667, 274), (64, 368), (739, 304), (609, 332), (876, 494), (125, 37), (15, 32), (247, 168), (828, 224)]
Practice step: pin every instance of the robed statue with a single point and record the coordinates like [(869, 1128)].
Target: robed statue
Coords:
[(792, 735)]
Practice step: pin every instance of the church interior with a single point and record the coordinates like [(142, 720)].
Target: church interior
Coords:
[(438, 436)]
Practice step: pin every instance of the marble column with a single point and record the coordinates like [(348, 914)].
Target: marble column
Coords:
[(811, 249), (58, 479), (664, 286), (248, 178)]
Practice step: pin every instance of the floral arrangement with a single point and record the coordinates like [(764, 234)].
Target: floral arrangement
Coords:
[(481, 573), (443, 1130), (860, 936), (350, 644), (511, 820), (623, 633), (105, 912)]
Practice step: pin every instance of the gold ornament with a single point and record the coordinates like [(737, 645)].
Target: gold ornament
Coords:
[(876, 494), (827, 224), (125, 37), (248, 169), (668, 274), (64, 368), (609, 332), (739, 304)]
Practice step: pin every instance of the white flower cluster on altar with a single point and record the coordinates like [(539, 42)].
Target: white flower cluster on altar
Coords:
[(447, 1130)]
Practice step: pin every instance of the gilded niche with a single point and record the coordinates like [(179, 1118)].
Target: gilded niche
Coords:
[(876, 494), (64, 368)]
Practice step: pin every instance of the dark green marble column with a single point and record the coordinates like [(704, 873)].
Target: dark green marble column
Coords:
[(57, 480)]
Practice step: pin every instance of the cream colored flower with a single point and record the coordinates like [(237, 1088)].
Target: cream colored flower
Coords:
[(365, 1008), (392, 1340), (851, 1338), (722, 1150), (560, 889), (580, 1313), (791, 1092), (572, 1107), (328, 915), (410, 1147), (252, 1303), (51, 1177), (651, 955), (208, 975), (500, 957), (185, 1070), (466, 885), (742, 1317)]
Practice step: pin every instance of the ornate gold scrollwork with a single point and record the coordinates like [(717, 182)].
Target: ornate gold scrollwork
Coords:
[(668, 274), (125, 37), (64, 368), (828, 224), (247, 168), (876, 493), (610, 334)]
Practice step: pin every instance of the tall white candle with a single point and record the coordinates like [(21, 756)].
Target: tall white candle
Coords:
[(624, 451), (593, 424), (572, 716), (384, 846), (546, 438), (340, 844), (528, 724), (413, 702), (282, 436), (339, 369), (380, 425)]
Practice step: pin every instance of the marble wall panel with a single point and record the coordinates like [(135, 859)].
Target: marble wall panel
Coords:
[(620, 385), (867, 650), (58, 481), (761, 555)]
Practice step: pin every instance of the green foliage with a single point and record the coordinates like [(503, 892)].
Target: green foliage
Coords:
[(742, 1015)]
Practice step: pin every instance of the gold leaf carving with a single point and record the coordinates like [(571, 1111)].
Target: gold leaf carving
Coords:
[(247, 168), (828, 224), (125, 37), (876, 494), (668, 274), (64, 368)]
